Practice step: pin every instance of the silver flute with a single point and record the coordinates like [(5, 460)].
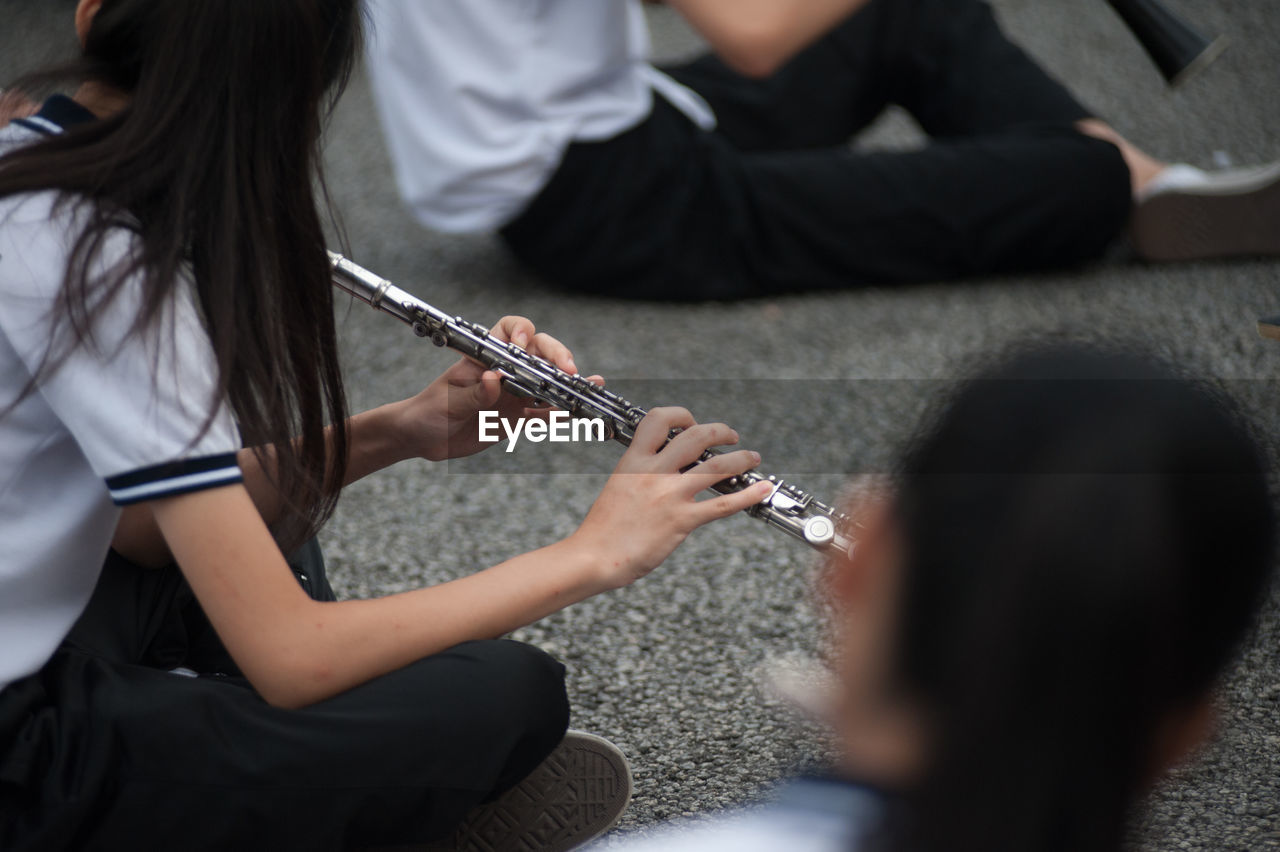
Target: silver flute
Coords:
[(787, 507)]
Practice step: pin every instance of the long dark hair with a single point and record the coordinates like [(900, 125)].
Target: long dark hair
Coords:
[(1087, 538), (213, 163)]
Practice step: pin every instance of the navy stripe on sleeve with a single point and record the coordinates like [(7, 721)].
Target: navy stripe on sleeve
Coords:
[(174, 478), (40, 125), (56, 114)]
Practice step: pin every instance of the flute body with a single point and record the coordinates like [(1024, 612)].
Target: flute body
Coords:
[(787, 507)]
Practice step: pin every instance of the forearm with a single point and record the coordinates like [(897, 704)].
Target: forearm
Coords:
[(296, 651), (353, 641), (757, 37)]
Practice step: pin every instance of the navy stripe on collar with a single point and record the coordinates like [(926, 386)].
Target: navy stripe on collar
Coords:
[(57, 113)]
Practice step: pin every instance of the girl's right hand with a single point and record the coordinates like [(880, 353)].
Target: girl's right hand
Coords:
[(649, 506), (296, 651)]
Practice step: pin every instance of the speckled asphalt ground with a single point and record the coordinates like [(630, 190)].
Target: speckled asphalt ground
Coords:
[(665, 668)]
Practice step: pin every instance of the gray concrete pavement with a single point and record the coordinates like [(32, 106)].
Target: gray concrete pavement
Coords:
[(665, 668)]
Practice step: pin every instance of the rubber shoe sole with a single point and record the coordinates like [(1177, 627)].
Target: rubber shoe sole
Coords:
[(577, 794), (1227, 218)]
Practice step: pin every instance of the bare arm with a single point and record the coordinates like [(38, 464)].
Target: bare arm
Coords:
[(438, 423), (757, 37), (296, 651), (138, 536)]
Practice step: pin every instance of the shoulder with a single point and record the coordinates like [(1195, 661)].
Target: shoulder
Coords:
[(30, 209), (38, 228), (37, 233)]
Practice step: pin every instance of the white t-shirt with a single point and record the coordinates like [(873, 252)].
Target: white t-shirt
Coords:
[(111, 423), (480, 98)]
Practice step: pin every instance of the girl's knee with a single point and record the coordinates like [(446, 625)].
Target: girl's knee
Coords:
[(525, 677), (1113, 199), (1090, 187), (521, 709)]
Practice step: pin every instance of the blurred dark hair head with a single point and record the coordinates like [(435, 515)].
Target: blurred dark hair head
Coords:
[(214, 163), (1088, 538)]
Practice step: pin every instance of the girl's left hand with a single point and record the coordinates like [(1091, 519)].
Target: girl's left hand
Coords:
[(443, 422)]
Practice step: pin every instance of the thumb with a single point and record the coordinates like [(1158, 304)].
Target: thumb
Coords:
[(485, 392)]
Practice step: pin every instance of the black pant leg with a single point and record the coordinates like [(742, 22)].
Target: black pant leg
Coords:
[(665, 211), (114, 757), (955, 71), (773, 201), (1038, 199), (104, 748), (820, 98), (946, 61)]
